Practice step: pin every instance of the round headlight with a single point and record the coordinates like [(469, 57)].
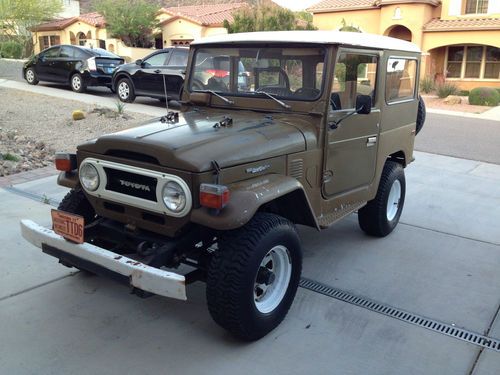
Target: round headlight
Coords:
[(89, 177), (174, 196)]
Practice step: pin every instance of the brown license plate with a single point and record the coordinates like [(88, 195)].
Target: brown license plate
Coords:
[(70, 226)]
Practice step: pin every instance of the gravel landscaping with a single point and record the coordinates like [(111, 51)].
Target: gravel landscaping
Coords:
[(33, 127)]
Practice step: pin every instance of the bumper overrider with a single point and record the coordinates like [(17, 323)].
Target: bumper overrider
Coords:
[(106, 263)]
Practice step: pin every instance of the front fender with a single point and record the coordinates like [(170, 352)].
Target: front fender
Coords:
[(286, 194)]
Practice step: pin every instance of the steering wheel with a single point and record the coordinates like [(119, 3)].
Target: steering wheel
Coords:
[(307, 92)]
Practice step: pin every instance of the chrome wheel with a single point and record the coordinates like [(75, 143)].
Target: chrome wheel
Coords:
[(393, 200), (123, 90), (273, 277), (30, 76), (76, 83)]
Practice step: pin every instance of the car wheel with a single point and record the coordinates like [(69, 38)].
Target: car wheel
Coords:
[(253, 276), (78, 83), (125, 90), (420, 115), (381, 215), (31, 77)]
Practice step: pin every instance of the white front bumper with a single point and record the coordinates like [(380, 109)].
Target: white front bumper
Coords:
[(140, 275)]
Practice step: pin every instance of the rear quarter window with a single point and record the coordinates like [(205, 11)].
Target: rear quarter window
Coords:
[(401, 77)]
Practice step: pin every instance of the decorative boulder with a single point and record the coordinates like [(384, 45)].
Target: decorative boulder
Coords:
[(453, 99), (78, 115)]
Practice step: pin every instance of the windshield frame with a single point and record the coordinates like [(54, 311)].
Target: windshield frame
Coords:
[(257, 46)]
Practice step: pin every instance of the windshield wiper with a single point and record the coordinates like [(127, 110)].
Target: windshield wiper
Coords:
[(226, 100), (281, 103)]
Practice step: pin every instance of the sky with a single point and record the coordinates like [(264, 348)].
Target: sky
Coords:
[(296, 4)]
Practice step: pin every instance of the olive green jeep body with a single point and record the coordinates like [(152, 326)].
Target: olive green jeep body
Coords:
[(275, 129)]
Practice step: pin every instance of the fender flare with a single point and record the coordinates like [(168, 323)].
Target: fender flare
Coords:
[(279, 194)]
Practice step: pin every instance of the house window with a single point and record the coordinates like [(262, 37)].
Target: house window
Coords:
[(476, 6), (473, 62), (48, 41)]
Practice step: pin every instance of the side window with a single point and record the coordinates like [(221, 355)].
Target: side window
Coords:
[(355, 74), (156, 60), (66, 52), (79, 54), (400, 79), (52, 53), (179, 58)]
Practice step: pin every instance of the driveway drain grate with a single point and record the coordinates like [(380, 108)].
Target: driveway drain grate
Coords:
[(394, 312)]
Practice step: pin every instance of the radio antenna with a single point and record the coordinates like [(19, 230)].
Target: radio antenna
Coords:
[(165, 90)]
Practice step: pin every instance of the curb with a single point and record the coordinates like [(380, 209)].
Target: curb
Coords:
[(35, 174)]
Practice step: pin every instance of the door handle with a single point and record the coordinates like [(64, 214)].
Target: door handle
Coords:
[(371, 141), (157, 71)]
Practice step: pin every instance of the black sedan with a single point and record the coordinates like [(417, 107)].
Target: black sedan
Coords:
[(79, 67), (159, 75)]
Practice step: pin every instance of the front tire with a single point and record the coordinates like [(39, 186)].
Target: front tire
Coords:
[(381, 215), (31, 77), (125, 90), (78, 83), (254, 275)]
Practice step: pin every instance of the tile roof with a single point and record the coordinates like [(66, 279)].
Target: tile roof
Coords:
[(210, 15), (466, 24), (340, 5), (94, 19)]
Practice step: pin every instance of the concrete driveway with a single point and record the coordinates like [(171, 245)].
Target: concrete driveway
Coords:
[(442, 262)]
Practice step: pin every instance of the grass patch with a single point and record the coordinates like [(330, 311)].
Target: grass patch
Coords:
[(10, 157)]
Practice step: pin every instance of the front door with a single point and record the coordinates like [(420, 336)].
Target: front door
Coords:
[(351, 153), (46, 64)]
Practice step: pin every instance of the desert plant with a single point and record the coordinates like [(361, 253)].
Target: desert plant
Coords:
[(120, 107), (427, 84), (10, 157), (11, 50), (484, 96), (446, 89)]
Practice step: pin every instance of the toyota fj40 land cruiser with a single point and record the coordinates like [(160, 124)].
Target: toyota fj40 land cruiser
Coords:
[(323, 125)]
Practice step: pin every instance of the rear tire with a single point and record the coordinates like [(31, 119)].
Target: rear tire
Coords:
[(381, 215), (31, 77), (78, 83), (254, 275), (125, 90)]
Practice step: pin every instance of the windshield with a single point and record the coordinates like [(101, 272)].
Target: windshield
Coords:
[(286, 73)]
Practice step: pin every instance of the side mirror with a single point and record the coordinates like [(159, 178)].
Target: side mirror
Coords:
[(138, 62), (363, 104)]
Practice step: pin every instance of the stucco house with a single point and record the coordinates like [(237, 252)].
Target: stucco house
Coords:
[(460, 39), (177, 26)]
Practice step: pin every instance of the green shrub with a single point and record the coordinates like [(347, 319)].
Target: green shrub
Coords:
[(11, 50), (446, 89), (427, 85), (464, 93), (484, 96)]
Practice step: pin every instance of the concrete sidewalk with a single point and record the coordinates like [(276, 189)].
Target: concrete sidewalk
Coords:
[(442, 262)]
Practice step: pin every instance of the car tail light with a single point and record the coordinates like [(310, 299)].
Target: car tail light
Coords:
[(214, 196), (218, 73), (92, 64), (65, 162)]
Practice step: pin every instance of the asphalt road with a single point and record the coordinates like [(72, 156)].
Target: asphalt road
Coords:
[(461, 137)]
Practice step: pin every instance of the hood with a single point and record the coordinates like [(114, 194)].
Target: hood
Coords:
[(193, 142)]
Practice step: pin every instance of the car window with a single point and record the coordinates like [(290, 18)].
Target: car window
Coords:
[(81, 54), (156, 60), (103, 53), (66, 51), (401, 76), (51, 53), (355, 74), (179, 57)]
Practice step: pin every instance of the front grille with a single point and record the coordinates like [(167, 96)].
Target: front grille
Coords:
[(139, 186)]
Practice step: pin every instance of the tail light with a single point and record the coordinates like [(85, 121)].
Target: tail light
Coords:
[(92, 64), (218, 73), (65, 162), (214, 196)]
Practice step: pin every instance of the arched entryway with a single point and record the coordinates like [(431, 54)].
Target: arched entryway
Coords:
[(399, 32)]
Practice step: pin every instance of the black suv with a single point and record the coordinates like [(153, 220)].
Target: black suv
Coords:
[(77, 66), (159, 75)]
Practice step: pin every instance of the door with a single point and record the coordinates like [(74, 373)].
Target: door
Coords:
[(149, 79), (63, 65), (45, 64), (351, 153)]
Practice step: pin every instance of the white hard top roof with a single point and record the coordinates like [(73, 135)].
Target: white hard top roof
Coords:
[(320, 36)]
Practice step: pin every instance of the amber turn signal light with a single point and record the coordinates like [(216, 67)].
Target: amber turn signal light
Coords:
[(214, 196), (65, 162)]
